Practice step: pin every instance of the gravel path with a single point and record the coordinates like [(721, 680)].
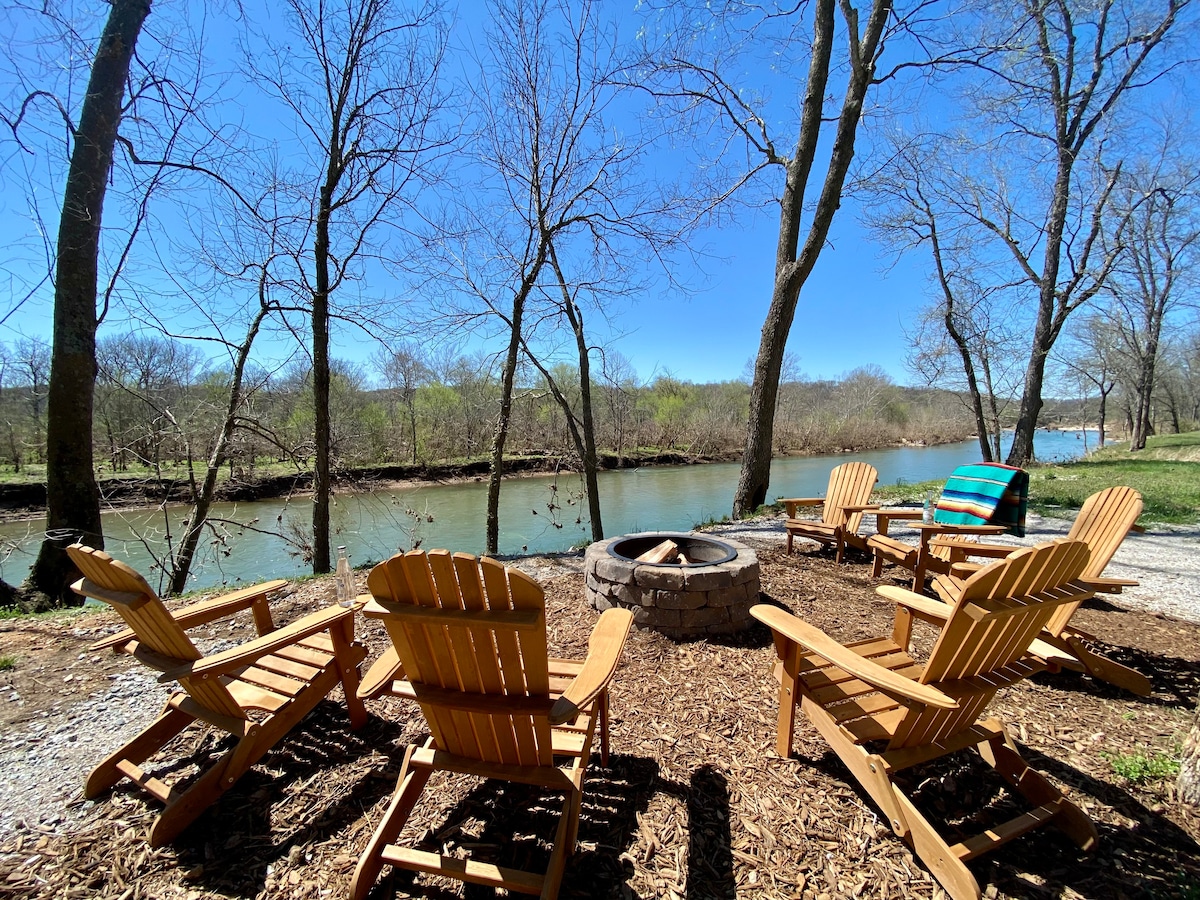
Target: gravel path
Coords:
[(43, 762)]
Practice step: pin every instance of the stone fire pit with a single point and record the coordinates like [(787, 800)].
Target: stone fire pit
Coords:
[(711, 594)]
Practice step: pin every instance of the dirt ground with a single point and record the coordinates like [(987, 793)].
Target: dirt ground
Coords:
[(695, 802)]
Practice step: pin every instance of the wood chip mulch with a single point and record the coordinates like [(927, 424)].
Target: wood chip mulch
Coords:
[(695, 803)]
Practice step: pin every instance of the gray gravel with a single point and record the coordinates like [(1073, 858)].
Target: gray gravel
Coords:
[(43, 763)]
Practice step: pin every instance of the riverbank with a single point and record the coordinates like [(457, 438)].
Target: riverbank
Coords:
[(25, 500)]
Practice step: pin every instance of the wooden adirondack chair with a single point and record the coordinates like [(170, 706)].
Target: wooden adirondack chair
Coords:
[(846, 499), (470, 637), (928, 556), (256, 692), (883, 712), (1103, 522)]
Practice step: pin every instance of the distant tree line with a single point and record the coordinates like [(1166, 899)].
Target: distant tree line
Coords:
[(160, 406)]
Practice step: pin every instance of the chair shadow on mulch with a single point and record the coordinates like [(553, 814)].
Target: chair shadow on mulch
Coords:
[(512, 825), (1149, 856), (1175, 681), (961, 795), (246, 830)]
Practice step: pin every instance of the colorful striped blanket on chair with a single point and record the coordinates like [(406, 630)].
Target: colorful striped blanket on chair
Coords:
[(985, 494)]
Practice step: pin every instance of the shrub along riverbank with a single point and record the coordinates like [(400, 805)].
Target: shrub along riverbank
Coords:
[(1167, 473)]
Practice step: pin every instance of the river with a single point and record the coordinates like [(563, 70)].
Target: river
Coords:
[(537, 514)]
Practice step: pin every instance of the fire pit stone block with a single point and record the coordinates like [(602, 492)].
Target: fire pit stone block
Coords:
[(681, 602)]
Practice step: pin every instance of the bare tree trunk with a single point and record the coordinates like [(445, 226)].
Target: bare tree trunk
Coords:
[(1187, 785), (793, 264), (203, 500), (1145, 388), (500, 434), (504, 417), (322, 428), (1046, 329), (72, 495), (1101, 418), (585, 443)]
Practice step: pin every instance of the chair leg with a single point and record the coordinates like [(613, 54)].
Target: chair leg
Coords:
[(787, 701), (564, 845), (950, 871), (1002, 755), (347, 656), (918, 584), (409, 786), (183, 809), (789, 543), (602, 704), (877, 565), (1105, 669), (137, 751)]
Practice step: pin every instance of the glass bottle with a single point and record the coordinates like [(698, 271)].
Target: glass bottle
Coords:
[(344, 579)]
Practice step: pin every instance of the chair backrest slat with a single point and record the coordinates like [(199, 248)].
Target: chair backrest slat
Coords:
[(476, 655), (1103, 523), (152, 623), (1000, 611), (850, 484)]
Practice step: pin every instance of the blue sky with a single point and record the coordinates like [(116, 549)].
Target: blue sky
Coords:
[(852, 312)]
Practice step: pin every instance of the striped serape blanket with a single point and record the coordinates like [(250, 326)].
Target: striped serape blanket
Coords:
[(985, 494)]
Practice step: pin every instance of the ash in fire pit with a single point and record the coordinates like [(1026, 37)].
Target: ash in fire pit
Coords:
[(683, 585)]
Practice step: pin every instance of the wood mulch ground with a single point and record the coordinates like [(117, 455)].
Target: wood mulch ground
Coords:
[(695, 802)]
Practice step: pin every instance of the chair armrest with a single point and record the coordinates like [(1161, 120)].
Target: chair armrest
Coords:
[(603, 657), (791, 504), (1111, 585), (238, 657), (975, 548), (380, 676), (901, 514), (924, 607), (210, 610), (198, 613), (865, 507), (935, 528), (884, 680)]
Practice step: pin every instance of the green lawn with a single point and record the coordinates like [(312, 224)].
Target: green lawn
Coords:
[(1167, 473)]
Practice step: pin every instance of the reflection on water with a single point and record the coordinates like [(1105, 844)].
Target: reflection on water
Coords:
[(537, 515)]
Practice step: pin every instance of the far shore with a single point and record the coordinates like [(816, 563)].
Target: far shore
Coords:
[(26, 502)]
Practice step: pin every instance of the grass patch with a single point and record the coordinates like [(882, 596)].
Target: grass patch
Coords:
[(65, 612), (1137, 768), (1166, 473), (7, 662)]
